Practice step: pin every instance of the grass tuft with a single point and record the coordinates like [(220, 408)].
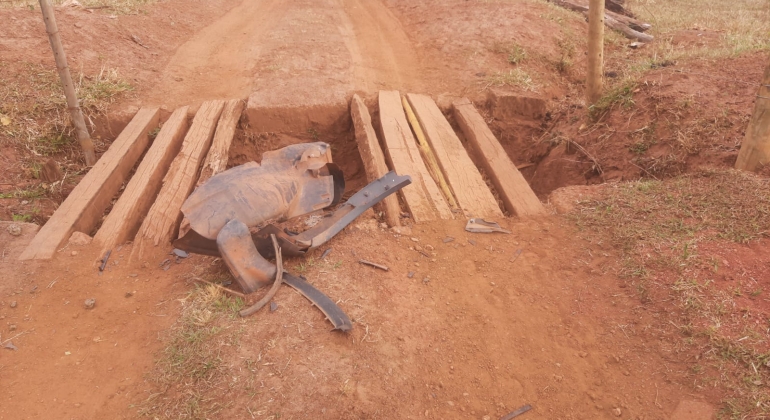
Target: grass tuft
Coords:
[(514, 78)]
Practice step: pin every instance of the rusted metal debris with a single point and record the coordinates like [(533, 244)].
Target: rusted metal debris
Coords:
[(290, 182)]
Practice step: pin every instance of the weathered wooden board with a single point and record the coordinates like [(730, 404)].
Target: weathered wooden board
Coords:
[(471, 192), (216, 159), (128, 212), (86, 203), (162, 221), (372, 156), (516, 193), (423, 196)]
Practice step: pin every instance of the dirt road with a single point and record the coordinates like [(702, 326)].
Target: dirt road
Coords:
[(292, 52)]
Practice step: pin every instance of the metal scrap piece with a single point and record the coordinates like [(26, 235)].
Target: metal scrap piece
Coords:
[(478, 225), (333, 313), (516, 412)]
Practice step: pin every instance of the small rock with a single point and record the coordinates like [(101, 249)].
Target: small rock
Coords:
[(179, 253), (73, 253), (128, 294), (133, 275), (78, 25), (448, 239), (14, 229), (79, 239), (426, 280), (410, 274), (273, 306), (450, 403), (89, 303), (414, 239), (9, 345), (12, 327), (383, 225), (583, 354), (616, 411), (13, 304)]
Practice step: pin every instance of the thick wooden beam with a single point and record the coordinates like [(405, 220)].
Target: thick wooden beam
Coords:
[(423, 196), (372, 156), (755, 149), (86, 203), (518, 197), (216, 159), (129, 211), (162, 221), (472, 194)]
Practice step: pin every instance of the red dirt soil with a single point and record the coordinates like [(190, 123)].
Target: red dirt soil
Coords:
[(486, 333)]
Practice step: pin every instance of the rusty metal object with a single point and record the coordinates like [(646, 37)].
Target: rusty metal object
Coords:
[(333, 313), (290, 182)]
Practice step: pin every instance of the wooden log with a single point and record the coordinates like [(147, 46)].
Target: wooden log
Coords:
[(86, 203), (162, 221), (216, 159), (595, 70), (472, 194), (128, 212), (617, 6), (627, 31), (372, 156), (518, 197), (422, 196), (755, 149), (631, 28)]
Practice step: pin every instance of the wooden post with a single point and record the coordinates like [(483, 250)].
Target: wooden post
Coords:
[(594, 81), (755, 149), (76, 115)]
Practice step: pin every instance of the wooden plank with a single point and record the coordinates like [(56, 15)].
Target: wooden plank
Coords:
[(755, 149), (516, 193), (162, 221), (216, 159), (128, 212), (86, 203), (372, 156), (423, 197), (470, 190)]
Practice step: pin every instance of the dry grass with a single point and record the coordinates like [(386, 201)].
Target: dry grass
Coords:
[(658, 226), (517, 78), (123, 7), (192, 366), (741, 25), (34, 112)]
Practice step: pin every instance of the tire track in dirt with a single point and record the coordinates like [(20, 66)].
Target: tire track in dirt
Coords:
[(382, 54), (219, 61)]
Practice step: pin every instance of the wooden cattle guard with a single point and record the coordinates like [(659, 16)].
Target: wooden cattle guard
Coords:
[(422, 197), (516, 193), (472, 194), (162, 221), (86, 203), (129, 211), (372, 156)]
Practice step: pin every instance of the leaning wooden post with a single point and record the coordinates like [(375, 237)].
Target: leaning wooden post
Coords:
[(76, 115), (594, 82), (755, 149)]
